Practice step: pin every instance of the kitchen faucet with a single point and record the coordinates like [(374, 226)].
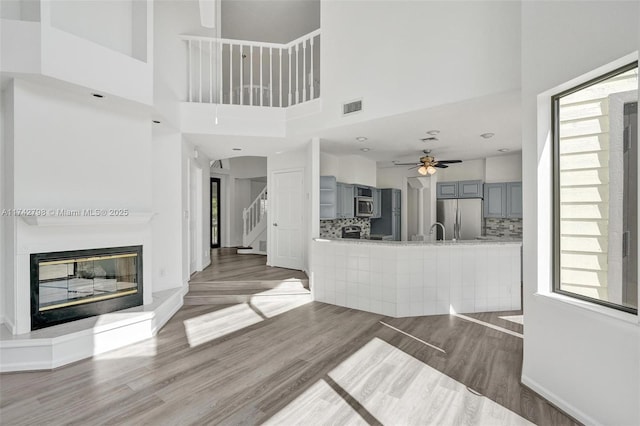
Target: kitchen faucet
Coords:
[(442, 226)]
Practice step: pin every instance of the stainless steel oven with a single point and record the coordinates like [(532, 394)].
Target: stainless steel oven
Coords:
[(364, 206)]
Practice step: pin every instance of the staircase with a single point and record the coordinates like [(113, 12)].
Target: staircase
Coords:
[(254, 220)]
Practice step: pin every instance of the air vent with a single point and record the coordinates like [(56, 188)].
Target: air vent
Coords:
[(429, 139), (352, 107)]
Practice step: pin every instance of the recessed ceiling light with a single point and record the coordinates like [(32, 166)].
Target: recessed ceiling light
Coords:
[(156, 121), (503, 150), (361, 139), (487, 135), (365, 149), (433, 132), (237, 149), (97, 95)]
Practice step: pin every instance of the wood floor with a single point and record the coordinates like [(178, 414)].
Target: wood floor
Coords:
[(278, 361), (226, 265)]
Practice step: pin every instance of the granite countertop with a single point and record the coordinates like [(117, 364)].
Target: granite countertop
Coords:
[(492, 241)]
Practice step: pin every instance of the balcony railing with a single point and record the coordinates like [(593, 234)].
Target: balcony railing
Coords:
[(240, 72)]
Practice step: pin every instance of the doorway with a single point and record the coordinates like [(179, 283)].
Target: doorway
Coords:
[(286, 215), (215, 213)]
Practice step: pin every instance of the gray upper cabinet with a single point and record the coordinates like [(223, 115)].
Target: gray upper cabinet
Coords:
[(495, 200), (346, 198), (470, 189), (503, 200), (377, 203), (328, 197), (461, 189), (514, 199), (447, 189)]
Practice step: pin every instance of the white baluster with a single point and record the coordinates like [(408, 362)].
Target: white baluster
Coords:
[(190, 71), (270, 76), (241, 74), (280, 76), (251, 75), (219, 68), (260, 76), (230, 73), (304, 70), (210, 72), (311, 88), (297, 74), (289, 99), (200, 70)]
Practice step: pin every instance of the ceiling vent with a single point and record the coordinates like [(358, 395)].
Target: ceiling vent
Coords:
[(352, 107), (429, 139)]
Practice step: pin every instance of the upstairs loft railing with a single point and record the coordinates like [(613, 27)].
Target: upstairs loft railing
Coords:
[(240, 72)]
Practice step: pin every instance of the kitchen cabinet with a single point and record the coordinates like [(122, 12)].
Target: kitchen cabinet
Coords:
[(328, 197), (377, 203), (389, 223), (447, 190), (514, 199), (470, 189), (459, 189), (503, 200), (346, 199)]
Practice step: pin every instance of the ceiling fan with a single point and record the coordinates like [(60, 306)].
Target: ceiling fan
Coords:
[(428, 164)]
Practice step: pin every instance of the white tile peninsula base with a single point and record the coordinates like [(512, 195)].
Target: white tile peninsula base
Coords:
[(417, 278)]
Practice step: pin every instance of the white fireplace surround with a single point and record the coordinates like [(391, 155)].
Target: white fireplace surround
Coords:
[(65, 343)]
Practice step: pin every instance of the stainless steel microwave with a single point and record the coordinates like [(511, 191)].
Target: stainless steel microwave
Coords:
[(364, 206)]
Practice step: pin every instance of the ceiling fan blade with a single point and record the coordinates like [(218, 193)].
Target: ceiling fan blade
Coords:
[(449, 161), (414, 167), (406, 164), (440, 166)]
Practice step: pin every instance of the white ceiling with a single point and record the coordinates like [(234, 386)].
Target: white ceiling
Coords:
[(460, 125), (398, 137)]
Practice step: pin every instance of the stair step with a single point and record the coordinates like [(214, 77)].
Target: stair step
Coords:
[(229, 292), (289, 284)]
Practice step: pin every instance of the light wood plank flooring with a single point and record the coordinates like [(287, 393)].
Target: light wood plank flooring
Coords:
[(282, 362)]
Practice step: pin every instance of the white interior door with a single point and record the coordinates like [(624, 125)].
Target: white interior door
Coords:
[(286, 204)]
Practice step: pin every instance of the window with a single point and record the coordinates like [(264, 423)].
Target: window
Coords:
[(595, 135)]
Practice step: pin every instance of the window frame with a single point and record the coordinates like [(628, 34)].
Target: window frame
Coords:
[(555, 175)]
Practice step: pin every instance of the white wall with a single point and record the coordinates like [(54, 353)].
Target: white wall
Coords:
[(23, 10), (76, 152), (274, 21), (504, 168), (467, 170), (167, 209), (349, 168), (568, 343), (7, 223), (105, 22), (406, 55)]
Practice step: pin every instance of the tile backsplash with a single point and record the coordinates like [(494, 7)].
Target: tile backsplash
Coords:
[(333, 228), (501, 227)]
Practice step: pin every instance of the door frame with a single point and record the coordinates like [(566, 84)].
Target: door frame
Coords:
[(218, 197), (195, 198)]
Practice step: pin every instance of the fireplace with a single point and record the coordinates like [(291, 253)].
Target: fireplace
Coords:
[(70, 285)]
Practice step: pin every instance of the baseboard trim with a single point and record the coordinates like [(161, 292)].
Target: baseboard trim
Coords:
[(9, 324), (71, 342), (560, 403)]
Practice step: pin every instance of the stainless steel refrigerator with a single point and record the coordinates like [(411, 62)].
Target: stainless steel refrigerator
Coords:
[(462, 218)]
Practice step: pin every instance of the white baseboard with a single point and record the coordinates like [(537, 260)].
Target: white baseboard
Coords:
[(560, 403), (56, 346)]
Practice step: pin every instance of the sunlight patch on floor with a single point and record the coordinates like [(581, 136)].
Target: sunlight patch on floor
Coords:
[(319, 404), (146, 348), (489, 325), (518, 319), (213, 325), (396, 389)]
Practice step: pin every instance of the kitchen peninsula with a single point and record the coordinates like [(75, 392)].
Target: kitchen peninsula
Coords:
[(411, 278)]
